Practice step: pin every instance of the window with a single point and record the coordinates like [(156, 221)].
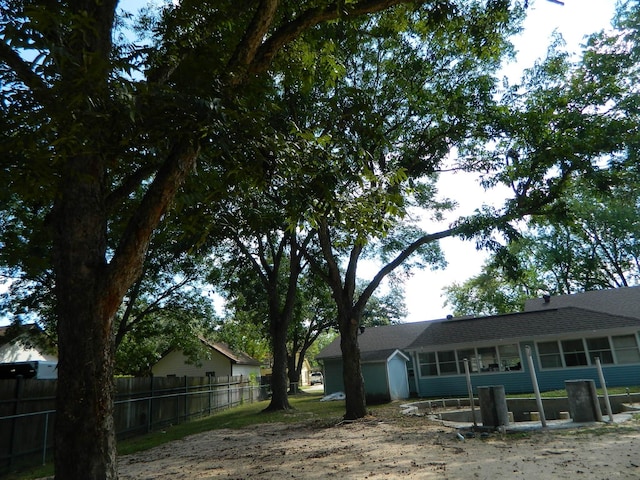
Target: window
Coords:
[(447, 362), (502, 358), (509, 357), (549, 355), (574, 353), (599, 347), (469, 354), (428, 365), (488, 359), (626, 349)]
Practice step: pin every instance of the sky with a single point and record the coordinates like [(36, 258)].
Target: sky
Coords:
[(574, 20)]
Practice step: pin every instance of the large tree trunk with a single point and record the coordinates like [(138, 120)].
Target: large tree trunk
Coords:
[(88, 294), (356, 404), (85, 444), (279, 397)]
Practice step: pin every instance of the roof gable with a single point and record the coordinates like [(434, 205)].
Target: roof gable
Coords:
[(237, 357)]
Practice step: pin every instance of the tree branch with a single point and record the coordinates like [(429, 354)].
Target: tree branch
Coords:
[(265, 52), (154, 205), (246, 50), (129, 184), (401, 257), (23, 71)]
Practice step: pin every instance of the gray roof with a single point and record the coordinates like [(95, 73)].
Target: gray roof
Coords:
[(617, 301), (513, 326), (378, 343)]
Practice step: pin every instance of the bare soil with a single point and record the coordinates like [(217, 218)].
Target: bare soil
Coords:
[(389, 446)]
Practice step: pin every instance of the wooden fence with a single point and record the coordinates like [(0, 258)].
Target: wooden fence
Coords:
[(27, 409)]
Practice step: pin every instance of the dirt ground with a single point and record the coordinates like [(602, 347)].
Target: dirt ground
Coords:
[(392, 446)]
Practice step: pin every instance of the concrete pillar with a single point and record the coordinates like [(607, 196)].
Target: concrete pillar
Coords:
[(583, 401), (493, 406)]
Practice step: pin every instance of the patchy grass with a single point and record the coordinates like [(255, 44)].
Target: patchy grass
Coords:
[(306, 408)]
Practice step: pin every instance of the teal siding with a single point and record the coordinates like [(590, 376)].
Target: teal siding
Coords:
[(375, 379), (456, 385), (614, 376), (333, 381), (520, 382)]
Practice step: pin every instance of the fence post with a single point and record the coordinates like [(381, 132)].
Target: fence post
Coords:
[(150, 407), (186, 399), (16, 407), (209, 395)]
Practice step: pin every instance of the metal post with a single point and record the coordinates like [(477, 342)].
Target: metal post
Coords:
[(607, 403), (536, 390), (44, 443), (470, 389)]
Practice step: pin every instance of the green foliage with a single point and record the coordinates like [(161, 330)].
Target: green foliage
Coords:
[(485, 294), (592, 246)]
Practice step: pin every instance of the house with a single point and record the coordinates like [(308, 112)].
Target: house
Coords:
[(24, 343), (26, 352), (220, 361), (387, 370), (563, 341)]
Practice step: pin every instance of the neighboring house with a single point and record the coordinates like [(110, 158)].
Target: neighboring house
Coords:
[(564, 343), (221, 362), (305, 373), (21, 347), (386, 369)]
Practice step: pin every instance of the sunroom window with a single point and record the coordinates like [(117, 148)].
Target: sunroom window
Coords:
[(509, 357), (599, 347), (574, 354), (428, 364), (447, 362), (626, 348), (549, 355)]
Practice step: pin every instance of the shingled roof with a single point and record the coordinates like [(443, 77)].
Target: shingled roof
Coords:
[(515, 326), (378, 343), (616, 301), (237, 357)]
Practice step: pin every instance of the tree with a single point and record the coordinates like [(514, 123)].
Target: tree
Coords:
[(388, 124), (582, 120), (488, 293), (81, 136), (593, 246)]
